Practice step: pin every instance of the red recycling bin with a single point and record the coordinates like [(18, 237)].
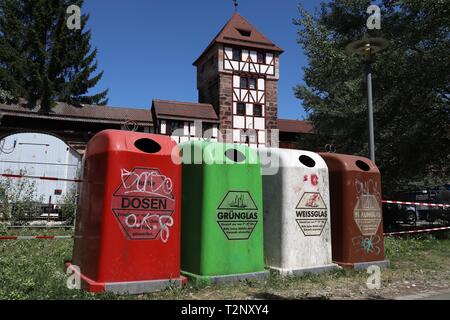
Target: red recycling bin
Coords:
[(127, 234)]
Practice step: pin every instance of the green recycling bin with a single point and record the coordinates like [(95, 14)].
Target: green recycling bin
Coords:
[(222, 227)]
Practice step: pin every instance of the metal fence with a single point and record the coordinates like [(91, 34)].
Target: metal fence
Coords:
[(19, 207)]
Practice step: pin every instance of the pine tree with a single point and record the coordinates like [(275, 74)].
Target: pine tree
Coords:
[(6, 96), (41, 60)]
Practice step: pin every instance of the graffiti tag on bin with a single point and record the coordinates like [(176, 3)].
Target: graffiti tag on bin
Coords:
[(143, 204)]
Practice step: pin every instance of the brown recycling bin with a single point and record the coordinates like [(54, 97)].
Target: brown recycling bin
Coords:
[(356, 214)]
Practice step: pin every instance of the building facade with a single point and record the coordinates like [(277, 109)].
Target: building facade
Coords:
[(74, 125), (238, 75), (237, 83)]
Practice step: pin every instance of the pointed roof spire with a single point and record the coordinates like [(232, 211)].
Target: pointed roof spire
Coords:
[(239, 32), (236, 4)]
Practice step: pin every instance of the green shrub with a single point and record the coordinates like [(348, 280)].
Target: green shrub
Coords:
[(18, 199), (3, 229), (69, 204)]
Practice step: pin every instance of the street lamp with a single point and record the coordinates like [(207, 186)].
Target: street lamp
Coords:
[(366, 48)]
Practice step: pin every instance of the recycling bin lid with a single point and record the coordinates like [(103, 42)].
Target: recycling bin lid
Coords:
[(119, 140), (292, 158), (206, 152), (345, 162)]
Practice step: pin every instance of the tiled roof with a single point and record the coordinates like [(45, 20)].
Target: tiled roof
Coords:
[(89, 113), (238, 31), (184, 110), (295, 126), (163, 109)]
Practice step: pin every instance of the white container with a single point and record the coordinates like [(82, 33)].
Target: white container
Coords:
[(297, 231), (37, 155)]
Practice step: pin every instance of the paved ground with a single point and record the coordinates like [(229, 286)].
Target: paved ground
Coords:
[(430, 295)]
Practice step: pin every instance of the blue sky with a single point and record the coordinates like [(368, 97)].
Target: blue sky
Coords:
[(146, 47)]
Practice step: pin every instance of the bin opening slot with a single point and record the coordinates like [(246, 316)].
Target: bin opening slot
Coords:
[(147, 145), (235, 155), (307, 161), (362, 165)]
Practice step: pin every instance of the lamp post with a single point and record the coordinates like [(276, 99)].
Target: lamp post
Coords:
[(366, 48)]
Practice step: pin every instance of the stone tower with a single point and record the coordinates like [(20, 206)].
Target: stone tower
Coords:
[(238, 74)]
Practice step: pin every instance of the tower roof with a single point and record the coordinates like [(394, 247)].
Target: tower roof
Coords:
[(238, 31)]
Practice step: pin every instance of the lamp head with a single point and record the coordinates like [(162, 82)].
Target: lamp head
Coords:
[(367, 47)]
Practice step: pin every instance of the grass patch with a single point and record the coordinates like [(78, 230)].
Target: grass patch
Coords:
[(34, 270)]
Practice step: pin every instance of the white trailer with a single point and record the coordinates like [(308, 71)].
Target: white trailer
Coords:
[(44, 158)]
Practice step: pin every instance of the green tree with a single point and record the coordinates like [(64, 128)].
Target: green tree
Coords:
[(19, 201), (69, 204), (6, 96), (411, 86), (41, 59)]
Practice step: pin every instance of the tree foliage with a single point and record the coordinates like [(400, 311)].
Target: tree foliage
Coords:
[(69, 205), (411, 86), (19, 201), (41, 59), (6, 96)]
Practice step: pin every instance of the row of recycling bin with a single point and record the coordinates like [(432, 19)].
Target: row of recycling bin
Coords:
[(152, 213)]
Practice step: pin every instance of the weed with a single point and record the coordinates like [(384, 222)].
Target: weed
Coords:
[(34, 270)]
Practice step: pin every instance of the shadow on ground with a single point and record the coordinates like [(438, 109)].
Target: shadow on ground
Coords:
[(271, 296)]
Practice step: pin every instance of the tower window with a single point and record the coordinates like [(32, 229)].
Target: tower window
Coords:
[(236, 54), (245, 33), (249, 136), (257, 110), (244, 83), (240, 109), (248, 83), (261, 57)]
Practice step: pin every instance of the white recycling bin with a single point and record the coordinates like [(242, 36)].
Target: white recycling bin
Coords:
[(297, 231)]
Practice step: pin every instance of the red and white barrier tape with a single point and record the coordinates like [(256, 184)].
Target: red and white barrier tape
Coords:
[(18, 176), (35, 237), (416, 231), (418, 203), (40, 227)]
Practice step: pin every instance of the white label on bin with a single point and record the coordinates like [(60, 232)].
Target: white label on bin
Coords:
[(367, 214), (312, 214), (237, 215), (143, 204)]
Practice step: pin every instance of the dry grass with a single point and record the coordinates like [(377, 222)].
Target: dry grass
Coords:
[(34, 270)]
